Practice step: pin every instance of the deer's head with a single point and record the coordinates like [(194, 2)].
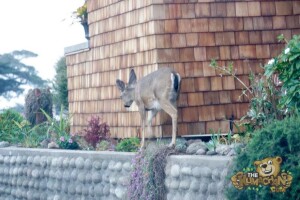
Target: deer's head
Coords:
[(127, 91)]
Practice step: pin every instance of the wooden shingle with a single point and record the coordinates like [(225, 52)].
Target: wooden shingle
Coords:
[(206, 113), (241, 9), (202, 10), (284, 7)]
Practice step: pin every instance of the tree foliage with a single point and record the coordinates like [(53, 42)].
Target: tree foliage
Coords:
[(35, 101), (14, 73), (60, 84)]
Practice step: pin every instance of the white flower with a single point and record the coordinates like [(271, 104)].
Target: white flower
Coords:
[(271, 62), (287, 50)]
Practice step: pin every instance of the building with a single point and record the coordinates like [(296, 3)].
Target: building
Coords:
[(183, 34)]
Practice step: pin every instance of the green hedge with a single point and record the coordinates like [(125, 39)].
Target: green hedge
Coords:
[(9, 131), (279, 138)]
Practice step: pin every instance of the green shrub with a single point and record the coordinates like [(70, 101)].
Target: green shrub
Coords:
[(16, 130), (105, 145), (279, 138), (128, 145), (58, 128), (67, 142), (9, 131), (59, 131), (29, 137), (287, 66)]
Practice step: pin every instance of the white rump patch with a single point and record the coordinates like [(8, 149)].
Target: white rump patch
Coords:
[(179, 78), (172, 79)]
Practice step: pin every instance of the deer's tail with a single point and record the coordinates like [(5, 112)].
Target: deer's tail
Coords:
[(176, 81)]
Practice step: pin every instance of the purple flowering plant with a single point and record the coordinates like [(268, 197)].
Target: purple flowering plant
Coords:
[(148, 174), (96, 131)]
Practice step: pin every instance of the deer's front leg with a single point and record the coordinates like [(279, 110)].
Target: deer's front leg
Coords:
[(151, 114), (143, 119)]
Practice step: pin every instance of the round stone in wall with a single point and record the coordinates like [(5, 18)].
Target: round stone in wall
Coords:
[(118, 166), (206, 172), (175, 171), (43, 161), (18, 160), (81, 176), (88, 164), (98, 190), (203, 187), (127, 166), (113, 179), (186, 171), (190, 196), (96, 177), (106, 190), (71, 189), (65, 163), (216, 174), (6, 160), (184, 184), (174, 184), (111, 165), (79, 189), (120, 192), (36, 160), (79, 162), (60, 161), (97, 165), (195, 185), (88, 177), (13, 160), (54, 162), (212, 189), (177, 196), (1, 159), (35, 173), (196, 171), (104, 164), (72, 162)]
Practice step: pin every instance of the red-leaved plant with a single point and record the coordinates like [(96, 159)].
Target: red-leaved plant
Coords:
[(96, 131)]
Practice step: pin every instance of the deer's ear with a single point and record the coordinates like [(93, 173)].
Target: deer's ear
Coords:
[(120, 85), (132, 77)]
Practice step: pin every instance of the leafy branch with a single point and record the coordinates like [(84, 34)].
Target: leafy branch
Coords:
[(228, 70)]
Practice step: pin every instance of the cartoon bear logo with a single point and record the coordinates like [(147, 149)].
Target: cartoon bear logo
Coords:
[(268, 166), (267, 174)]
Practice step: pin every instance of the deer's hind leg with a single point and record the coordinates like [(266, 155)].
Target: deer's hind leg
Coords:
[(171, 110)]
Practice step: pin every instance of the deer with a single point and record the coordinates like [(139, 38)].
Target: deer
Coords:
[(156, 91)]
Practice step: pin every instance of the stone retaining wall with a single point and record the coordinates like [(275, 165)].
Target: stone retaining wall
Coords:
[(60, 174), (196, 177)]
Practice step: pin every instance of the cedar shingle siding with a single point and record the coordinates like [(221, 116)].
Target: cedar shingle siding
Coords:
[(185, 35)]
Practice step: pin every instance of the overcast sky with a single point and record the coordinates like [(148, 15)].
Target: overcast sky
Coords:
[(41, 26)]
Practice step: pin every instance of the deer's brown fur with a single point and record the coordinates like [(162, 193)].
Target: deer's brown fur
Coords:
[(157, 91)]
